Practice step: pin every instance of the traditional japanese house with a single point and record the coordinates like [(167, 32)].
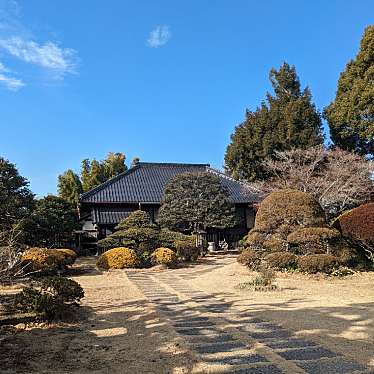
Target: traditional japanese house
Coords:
[(142, 187)]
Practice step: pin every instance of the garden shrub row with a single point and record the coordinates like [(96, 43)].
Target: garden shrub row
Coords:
[(293, 221), (315, 263), (122, 258), (150, 244)]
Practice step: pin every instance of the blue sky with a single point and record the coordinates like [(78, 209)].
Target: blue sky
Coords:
[(162, 80)]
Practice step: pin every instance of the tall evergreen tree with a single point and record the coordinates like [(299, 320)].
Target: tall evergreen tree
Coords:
[(288, 119), (16, 199), (351, 114), (69, 187)]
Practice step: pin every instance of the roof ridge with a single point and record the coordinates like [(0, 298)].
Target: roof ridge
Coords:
[(170, 164)]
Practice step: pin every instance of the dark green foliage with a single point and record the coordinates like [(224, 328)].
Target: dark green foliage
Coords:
[(287, 120), (281, 260), (351, 114), (321, 263), (52, 223), (51, 296), (187, 250), (16, 200), (196, 201), (137, 218), (69, 187)]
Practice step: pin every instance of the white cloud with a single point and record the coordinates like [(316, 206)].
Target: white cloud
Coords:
[(159, 36), (9, 82), (48, 55)]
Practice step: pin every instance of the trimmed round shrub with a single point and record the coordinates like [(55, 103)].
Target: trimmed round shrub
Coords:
[(43, 260), (323, 263), (118, 258), (187, 250), (70, 255), (281, 260), (358, 224), (164, 256), (250, 258), (288, 209)]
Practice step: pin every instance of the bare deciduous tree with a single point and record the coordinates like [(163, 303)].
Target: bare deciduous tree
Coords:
[(339, 180)]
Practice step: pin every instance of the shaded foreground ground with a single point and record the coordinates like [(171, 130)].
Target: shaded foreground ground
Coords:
[(122, 332)]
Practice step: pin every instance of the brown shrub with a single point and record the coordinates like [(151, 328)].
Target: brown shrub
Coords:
[(289, 208), (275, 243), (118, 258), (164, 256), (70, 255), (255, 239), (251, 259), (281, 260), (187, 250), (43, 260), (358, 223), (323, 263), (312, 234)]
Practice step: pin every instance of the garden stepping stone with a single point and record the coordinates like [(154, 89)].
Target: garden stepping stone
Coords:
[(307, 353), (269, 369), (290, 343), (219, 347), (339, 367)]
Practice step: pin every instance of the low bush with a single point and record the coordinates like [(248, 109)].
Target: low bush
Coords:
[(264, 281), (187, 250), (164, 256), (43, 261), (70, 255), (322, 263), (250, 258), (50, 297), (255, 239), (281, 260), (118, 258)]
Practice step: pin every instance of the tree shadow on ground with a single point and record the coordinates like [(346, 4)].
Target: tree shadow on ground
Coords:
[(132, 340), (346, 329)]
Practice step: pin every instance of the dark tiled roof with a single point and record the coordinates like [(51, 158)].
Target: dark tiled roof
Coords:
[(146, 183)]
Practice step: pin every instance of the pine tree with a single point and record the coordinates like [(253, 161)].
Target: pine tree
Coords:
[(286, 120), (69, 187), (196, 201), (351, 115)]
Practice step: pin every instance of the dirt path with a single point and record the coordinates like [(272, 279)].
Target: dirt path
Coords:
[(194, 320), (229, 339)]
